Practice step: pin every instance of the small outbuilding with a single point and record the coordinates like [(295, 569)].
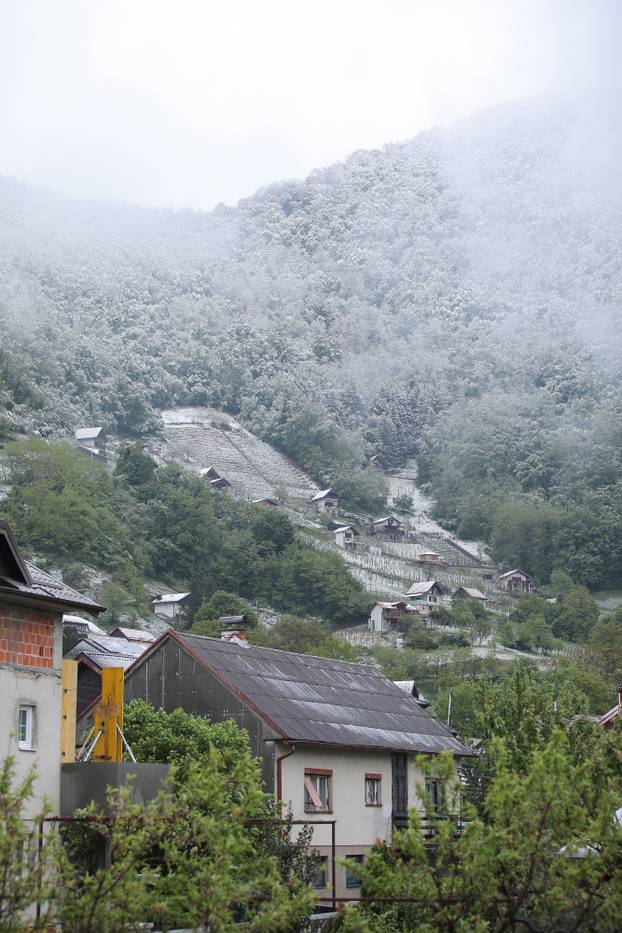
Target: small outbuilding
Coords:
[(209, 473), (94, 438), (614, 713), (169, 605), (326, 501), (267, 501), (431, 558), (389, 528), (515, 581), (346, 536), (469, 592)]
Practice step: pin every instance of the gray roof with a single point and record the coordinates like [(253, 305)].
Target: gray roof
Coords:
[(21, 579), (420, 589), (320, 701), (471, 591), (103, 659), (132, 634), (324, 494), (49, 589), (105, 644), (87, 434)]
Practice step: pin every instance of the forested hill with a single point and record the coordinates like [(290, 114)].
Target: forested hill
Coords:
[(455, 298)]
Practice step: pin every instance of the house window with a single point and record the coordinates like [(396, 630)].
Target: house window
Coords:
[(434, 795), (352, 878), (320, 881), (318, 797), (26, 728), (372, 790)]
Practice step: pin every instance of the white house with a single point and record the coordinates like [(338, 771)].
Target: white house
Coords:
[(425, 597), (515, 581), (383, 617), (346, 536), (31, 637), (326, 501), (338, 742), (169, 605)]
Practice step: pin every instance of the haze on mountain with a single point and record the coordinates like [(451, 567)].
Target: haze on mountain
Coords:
[(452, 300)]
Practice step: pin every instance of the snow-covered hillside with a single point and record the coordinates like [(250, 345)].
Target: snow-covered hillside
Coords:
[(204, 437)]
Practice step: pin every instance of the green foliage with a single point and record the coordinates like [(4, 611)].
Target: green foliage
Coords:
[(20, 881), (134, 465), (512, 867), (306, 637), (604, 647), (180, 738), (220, 604)]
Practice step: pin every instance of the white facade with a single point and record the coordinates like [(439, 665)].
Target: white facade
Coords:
[(345, 537), (358, 825), (38, 690), (170, 605)]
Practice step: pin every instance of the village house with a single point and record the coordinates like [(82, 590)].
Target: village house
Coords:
[(389, 528), (95, 653), (469, 592), (92, 438), (383, 617), (346, 536), (425, 597), (267, 501), (31, 634), (337, 741), (515, 581), (169, 605), (326, 501)]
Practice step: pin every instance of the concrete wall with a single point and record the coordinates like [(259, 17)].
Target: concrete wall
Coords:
[(41, 689)]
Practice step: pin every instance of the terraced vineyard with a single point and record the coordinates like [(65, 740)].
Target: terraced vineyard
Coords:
[(203, 437)]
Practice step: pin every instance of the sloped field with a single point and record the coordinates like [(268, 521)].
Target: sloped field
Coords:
[(203, 437)]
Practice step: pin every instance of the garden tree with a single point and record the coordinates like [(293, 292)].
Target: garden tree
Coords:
[(188, 742), (513, 866), (134, 465), (604, 647), (188, 858), (403, 504), (305, 636), (180, 738), (576, 612), (21, 883), (272, 530), (481, 628), (220, 604), (534, 633)]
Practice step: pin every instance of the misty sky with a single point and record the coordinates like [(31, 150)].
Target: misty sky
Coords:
[(193, 102)]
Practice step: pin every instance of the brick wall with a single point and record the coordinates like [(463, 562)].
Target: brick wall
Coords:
[(26, 637)]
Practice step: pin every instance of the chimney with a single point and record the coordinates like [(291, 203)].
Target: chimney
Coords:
[(234, 628)]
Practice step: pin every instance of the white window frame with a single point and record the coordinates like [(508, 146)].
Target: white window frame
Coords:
[(26, 715)]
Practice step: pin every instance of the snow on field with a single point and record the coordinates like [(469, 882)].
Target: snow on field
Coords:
[(404, 483), (204, 437)]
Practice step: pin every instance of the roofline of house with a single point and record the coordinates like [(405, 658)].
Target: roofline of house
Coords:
[(15, 551), (375, 748), (7, 594)]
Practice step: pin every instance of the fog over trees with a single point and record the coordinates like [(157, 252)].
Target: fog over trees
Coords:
[(454, 299)]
